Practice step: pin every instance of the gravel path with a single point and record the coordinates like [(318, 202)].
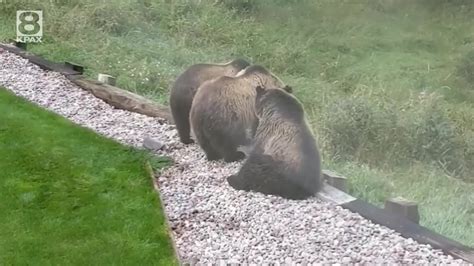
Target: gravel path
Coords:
[(210, 220)]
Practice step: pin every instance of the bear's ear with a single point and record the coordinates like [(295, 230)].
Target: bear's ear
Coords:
[(288, 89), (260, 90)]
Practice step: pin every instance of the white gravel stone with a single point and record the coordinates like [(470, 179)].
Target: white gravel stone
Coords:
[(211, 222)]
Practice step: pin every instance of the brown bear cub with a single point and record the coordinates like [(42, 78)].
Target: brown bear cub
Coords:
[(284, 159), (185, 86), (223, 112)]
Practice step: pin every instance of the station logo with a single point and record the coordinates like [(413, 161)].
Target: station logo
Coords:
[(29, 26)]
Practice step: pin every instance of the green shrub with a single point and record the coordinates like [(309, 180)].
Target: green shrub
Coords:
[(355, 127), (376, 131), (466, 67), (429, 134)]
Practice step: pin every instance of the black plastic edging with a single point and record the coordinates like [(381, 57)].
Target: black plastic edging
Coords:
[(65, 69)]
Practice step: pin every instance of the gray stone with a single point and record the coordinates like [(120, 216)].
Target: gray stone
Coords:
[(152, 144)]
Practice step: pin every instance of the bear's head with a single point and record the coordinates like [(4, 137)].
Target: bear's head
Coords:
[(277, 101), (262, 77)]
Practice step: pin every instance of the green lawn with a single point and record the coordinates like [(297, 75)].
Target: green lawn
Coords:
[(387, 85), (71, 197)]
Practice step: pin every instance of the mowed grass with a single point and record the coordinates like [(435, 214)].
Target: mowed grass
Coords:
[(387, 85), (71, 197)]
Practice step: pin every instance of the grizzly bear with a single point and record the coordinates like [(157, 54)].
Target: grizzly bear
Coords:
[(223, 112), (185, 86), (284, 159)]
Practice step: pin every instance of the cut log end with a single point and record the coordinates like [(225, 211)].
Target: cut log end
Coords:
[(107, 79), (403, 207), (335, 180)]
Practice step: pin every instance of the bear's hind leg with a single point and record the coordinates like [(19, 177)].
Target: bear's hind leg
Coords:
[(250, 176), (237, 182), (180, 114), (233, 156), (228, 147), (211, 153)]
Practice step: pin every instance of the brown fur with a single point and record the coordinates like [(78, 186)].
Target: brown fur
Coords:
[(185, 86), (223, 112), (284, 159)]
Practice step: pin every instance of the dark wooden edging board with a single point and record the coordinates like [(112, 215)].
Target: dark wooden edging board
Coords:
[(377, 215), (400, 224), (409, 229), (43, 63)]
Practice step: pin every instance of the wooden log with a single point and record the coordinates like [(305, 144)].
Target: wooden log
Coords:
[(107, 79), (403, 207), (123, 99), (335, 180)]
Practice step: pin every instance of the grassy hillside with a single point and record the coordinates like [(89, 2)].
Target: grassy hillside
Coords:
[(388, 85)]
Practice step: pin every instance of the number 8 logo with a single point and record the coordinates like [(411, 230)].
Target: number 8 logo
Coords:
[(29, 23)]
